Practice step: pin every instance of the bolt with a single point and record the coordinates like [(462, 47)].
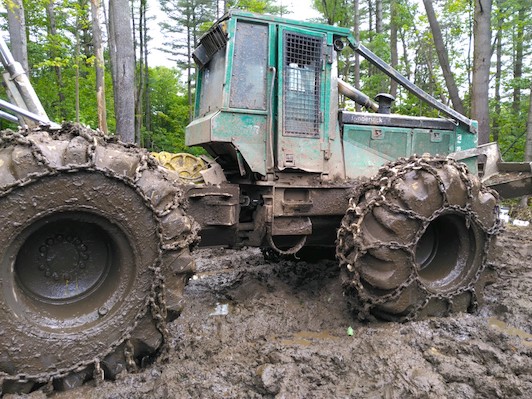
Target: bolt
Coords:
[(102, 311)]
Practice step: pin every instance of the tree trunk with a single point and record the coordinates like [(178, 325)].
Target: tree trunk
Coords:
[(370, 20), (77, 56), (189, 69), (378, 17), (393, 44), (528, 146), (518, 60), (406, 58), (121, 49), (443, 57), (139, 98), (52, 32), (481, 68), (147, 98), (99, 65), (357, 56), (17, 32), (498, 76)]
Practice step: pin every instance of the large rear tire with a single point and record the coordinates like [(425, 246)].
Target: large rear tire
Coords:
[(414, 240), (94, 256)]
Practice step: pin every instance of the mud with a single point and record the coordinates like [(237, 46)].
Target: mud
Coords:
[(257, 329)]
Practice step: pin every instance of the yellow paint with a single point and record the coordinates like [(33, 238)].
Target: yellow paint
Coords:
[(187, 166)]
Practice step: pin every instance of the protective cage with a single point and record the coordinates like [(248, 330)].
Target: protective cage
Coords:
[(301, 89)]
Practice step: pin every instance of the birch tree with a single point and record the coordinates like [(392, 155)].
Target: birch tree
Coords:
[(99, 65)]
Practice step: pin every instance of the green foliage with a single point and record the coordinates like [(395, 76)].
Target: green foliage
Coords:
[(170, 94), (170, 112), (256, 6)]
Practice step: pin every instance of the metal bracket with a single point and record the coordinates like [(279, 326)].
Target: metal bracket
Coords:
[(435, 137), (377, 134)]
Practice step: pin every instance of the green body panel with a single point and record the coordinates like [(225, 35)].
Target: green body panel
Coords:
[(366, 148), (244, 131), (199, 131)]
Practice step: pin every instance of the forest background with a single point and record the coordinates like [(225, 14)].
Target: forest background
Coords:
[(87, 65)]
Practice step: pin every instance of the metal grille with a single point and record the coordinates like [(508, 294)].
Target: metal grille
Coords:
[(301, 92)]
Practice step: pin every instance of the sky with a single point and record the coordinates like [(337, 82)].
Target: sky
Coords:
[(300, 10)]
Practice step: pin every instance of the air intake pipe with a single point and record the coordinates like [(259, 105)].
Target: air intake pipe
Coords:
[(356, 95)]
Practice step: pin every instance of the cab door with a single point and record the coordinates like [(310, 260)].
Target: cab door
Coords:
[(301, 83)]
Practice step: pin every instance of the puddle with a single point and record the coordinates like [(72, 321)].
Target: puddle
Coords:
[(306, 338), (513, 331), (209, 273)]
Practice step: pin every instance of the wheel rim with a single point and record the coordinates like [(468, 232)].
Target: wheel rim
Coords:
[(444, 253), (69, 271)]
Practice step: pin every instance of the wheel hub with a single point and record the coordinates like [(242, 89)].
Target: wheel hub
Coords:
[(55, 263), (64, 264), (443, 252)]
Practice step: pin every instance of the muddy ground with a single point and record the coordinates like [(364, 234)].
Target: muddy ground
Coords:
[(257, 329)]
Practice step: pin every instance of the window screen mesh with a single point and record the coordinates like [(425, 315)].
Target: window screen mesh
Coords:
[(301, 91)]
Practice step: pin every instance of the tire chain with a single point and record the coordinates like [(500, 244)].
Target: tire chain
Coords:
[(390, 173), (156, 301)]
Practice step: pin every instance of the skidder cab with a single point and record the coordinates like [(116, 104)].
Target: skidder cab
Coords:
[(293, 173), (267, 102)]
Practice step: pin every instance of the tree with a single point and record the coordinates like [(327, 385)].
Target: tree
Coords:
[(356, 23), (518, 57), (528, 147), (99, 65), (394, 51), (123, 59), (55, 54), (443, 57), (481, 68), (187, 17), (169, 107), (17, 31)]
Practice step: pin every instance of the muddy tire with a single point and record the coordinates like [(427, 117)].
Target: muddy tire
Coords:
[(414, 241), (94, 256)]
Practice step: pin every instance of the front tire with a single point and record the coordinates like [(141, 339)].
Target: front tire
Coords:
[(94, 256), (414, 240)]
